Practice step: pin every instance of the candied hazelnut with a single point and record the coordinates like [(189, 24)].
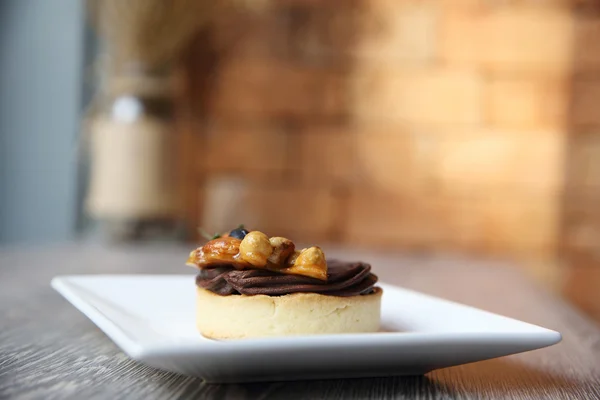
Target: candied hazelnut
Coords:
[(255, 248)]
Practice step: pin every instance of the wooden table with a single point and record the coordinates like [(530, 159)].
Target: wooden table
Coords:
[(49, 350)]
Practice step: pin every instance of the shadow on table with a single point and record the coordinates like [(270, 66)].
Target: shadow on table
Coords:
[(488, 379)]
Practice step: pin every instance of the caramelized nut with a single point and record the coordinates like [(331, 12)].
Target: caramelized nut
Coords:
[(223, 246), (217, 251), (282, 250), (294, 257), (313, 256), (310, 262), (256, 248)]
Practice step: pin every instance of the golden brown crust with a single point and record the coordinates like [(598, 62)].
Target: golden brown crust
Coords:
[(240, 316)]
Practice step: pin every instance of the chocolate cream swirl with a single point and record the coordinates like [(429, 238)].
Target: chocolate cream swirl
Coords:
[(343, 279)]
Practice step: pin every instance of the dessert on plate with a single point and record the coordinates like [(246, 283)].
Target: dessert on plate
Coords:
[(251, 285)]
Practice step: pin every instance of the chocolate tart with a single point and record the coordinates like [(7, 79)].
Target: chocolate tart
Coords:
[(302, 294)]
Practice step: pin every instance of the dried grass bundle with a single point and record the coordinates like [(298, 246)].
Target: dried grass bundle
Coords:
[(151, 32)]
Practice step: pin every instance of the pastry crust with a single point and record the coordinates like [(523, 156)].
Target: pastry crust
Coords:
[(240, 316)]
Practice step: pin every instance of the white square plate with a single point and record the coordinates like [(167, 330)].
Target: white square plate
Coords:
[(152, 319)]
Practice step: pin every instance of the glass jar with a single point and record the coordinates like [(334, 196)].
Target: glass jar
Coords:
[(134, 190)]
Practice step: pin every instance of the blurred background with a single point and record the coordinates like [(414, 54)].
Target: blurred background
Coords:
[(423, 126)]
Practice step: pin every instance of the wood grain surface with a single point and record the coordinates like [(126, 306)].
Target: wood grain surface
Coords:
[(49, 350)]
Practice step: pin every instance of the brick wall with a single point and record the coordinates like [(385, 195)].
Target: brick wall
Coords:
[(418, 124), (580, 218)]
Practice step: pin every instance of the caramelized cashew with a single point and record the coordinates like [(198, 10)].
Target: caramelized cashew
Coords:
[(217, 251)]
